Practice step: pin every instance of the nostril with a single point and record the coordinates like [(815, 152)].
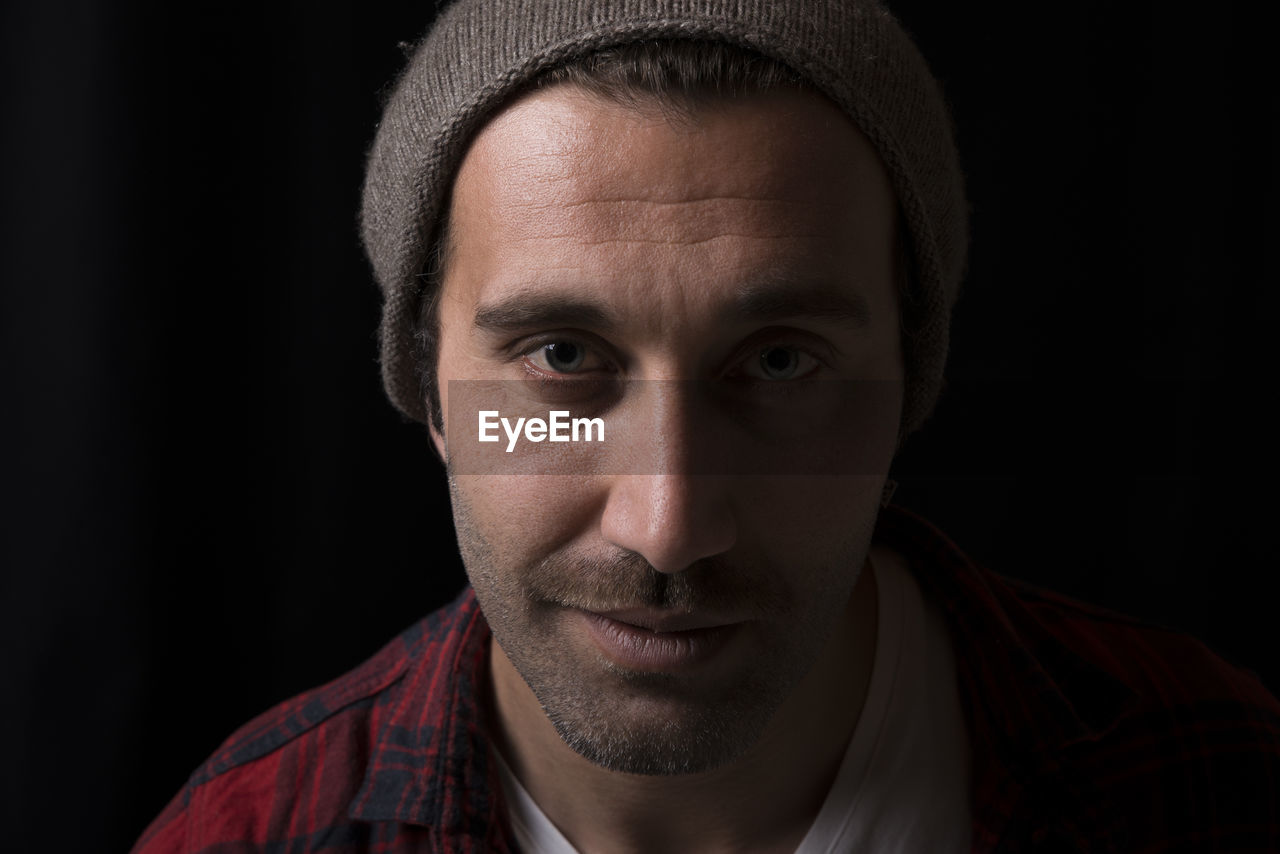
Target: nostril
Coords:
[(673, 521)]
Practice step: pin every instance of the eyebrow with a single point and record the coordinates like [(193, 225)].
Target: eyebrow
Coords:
[(526, 311), (784, 300)]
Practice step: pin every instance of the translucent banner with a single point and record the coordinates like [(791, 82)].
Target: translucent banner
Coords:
[(711, 427)]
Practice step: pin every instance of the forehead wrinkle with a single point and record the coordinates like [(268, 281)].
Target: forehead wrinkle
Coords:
[(574, 134), (631, 200), (623, 159), (587, 171), (674, 241), (675, 222), (630, 206)]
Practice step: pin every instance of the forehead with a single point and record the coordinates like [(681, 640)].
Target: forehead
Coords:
[(564, 120), (562, 147), (566, 185)]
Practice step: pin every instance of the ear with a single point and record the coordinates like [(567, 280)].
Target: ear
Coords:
[(437, 439)]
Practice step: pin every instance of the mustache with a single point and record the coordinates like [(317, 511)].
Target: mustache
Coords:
[(626, 580)]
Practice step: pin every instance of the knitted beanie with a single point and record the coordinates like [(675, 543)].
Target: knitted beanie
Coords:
[(481, 51)]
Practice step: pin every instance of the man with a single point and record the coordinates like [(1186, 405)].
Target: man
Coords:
[(729, 234)]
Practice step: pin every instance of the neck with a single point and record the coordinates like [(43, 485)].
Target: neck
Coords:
[(764, 801)]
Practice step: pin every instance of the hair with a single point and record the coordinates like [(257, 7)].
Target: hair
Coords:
[(679, 77)]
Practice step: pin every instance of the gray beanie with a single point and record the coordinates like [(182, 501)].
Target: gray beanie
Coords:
[(481, 51)]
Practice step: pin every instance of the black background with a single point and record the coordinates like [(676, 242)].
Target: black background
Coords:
[(209, 506)]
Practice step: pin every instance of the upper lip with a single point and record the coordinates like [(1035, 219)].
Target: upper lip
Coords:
[(655, 620)]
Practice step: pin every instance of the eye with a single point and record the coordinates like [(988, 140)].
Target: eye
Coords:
[(779, 363), (564, 356)]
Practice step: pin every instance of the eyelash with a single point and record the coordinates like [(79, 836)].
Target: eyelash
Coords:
[(755, 350), (525, 349), (752, 349)]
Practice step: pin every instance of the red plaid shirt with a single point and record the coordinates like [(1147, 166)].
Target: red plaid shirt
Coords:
[(1090, 732)]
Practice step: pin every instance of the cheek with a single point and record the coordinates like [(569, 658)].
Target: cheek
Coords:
[(524, 518), (812, 521)]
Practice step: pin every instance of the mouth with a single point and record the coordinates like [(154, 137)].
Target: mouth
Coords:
[(656, 641)]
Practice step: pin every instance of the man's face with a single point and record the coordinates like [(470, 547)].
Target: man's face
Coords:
[(716, 277)]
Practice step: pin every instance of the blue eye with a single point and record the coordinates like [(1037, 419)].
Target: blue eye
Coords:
[(563, 357), (784, 363), (779, 363)]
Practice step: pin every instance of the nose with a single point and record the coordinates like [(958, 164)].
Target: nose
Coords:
[(663, 511), (672, 520)]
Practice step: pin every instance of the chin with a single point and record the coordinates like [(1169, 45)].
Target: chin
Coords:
[(688, 742)]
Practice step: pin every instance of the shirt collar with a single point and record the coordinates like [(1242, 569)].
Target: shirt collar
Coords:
[(430, 763), (1039, 696), (1032, 704)]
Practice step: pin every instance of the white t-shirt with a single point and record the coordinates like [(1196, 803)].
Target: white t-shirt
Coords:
[(903, 785)]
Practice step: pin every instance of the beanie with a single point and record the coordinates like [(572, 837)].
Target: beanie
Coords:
[(479, 52)]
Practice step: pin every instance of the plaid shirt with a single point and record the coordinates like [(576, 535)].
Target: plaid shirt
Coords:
[(1090, 732)]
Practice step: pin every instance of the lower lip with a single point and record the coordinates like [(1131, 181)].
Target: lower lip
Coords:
[(635, 648)]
